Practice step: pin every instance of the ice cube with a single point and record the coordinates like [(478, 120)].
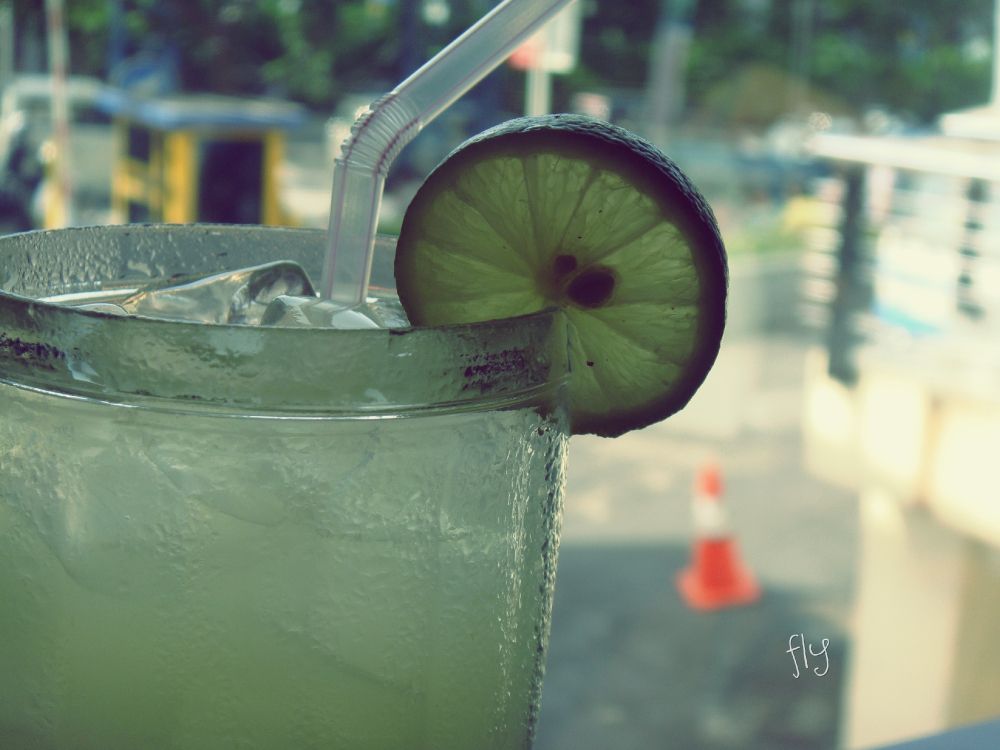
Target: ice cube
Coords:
[(386, 311), (288, 311), (105, 307), (230, 297)]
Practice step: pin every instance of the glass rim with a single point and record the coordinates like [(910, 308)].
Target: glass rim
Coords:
[(240, 369)]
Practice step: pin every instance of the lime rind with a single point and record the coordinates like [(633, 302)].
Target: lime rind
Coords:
[(540, 203)]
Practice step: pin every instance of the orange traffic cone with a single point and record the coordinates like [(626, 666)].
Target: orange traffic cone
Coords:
[(716, 577)]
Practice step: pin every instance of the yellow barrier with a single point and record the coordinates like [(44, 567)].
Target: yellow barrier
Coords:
[(199, 158)]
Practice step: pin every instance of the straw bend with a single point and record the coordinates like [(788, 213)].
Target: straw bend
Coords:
[(381, 132), (394, 120)]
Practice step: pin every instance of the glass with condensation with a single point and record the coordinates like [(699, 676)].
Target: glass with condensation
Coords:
[(235, 536)]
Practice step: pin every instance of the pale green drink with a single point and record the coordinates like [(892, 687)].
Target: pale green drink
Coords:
[(218, 536)]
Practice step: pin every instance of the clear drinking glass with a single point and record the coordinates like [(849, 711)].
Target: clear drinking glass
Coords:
[(231, 536)]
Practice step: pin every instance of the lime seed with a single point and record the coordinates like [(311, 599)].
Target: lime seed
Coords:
[(593, 287), (563, 264)]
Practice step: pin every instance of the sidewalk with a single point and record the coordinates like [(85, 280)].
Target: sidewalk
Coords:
[(630, 666)]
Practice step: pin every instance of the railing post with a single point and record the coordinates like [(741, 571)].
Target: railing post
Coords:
[(849, 293)]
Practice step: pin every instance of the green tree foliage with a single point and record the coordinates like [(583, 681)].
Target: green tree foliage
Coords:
[(306, 49), (920, 57), (615, 41), (309, 50)]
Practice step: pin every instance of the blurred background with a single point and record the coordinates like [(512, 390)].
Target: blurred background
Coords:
[(851, 150)]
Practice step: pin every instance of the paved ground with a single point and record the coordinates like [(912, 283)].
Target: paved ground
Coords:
[(630, 666)]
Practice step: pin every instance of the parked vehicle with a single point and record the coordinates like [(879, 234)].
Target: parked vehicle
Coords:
[(26, 125)]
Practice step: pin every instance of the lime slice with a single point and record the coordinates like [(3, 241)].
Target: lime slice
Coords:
[(574, 212)]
